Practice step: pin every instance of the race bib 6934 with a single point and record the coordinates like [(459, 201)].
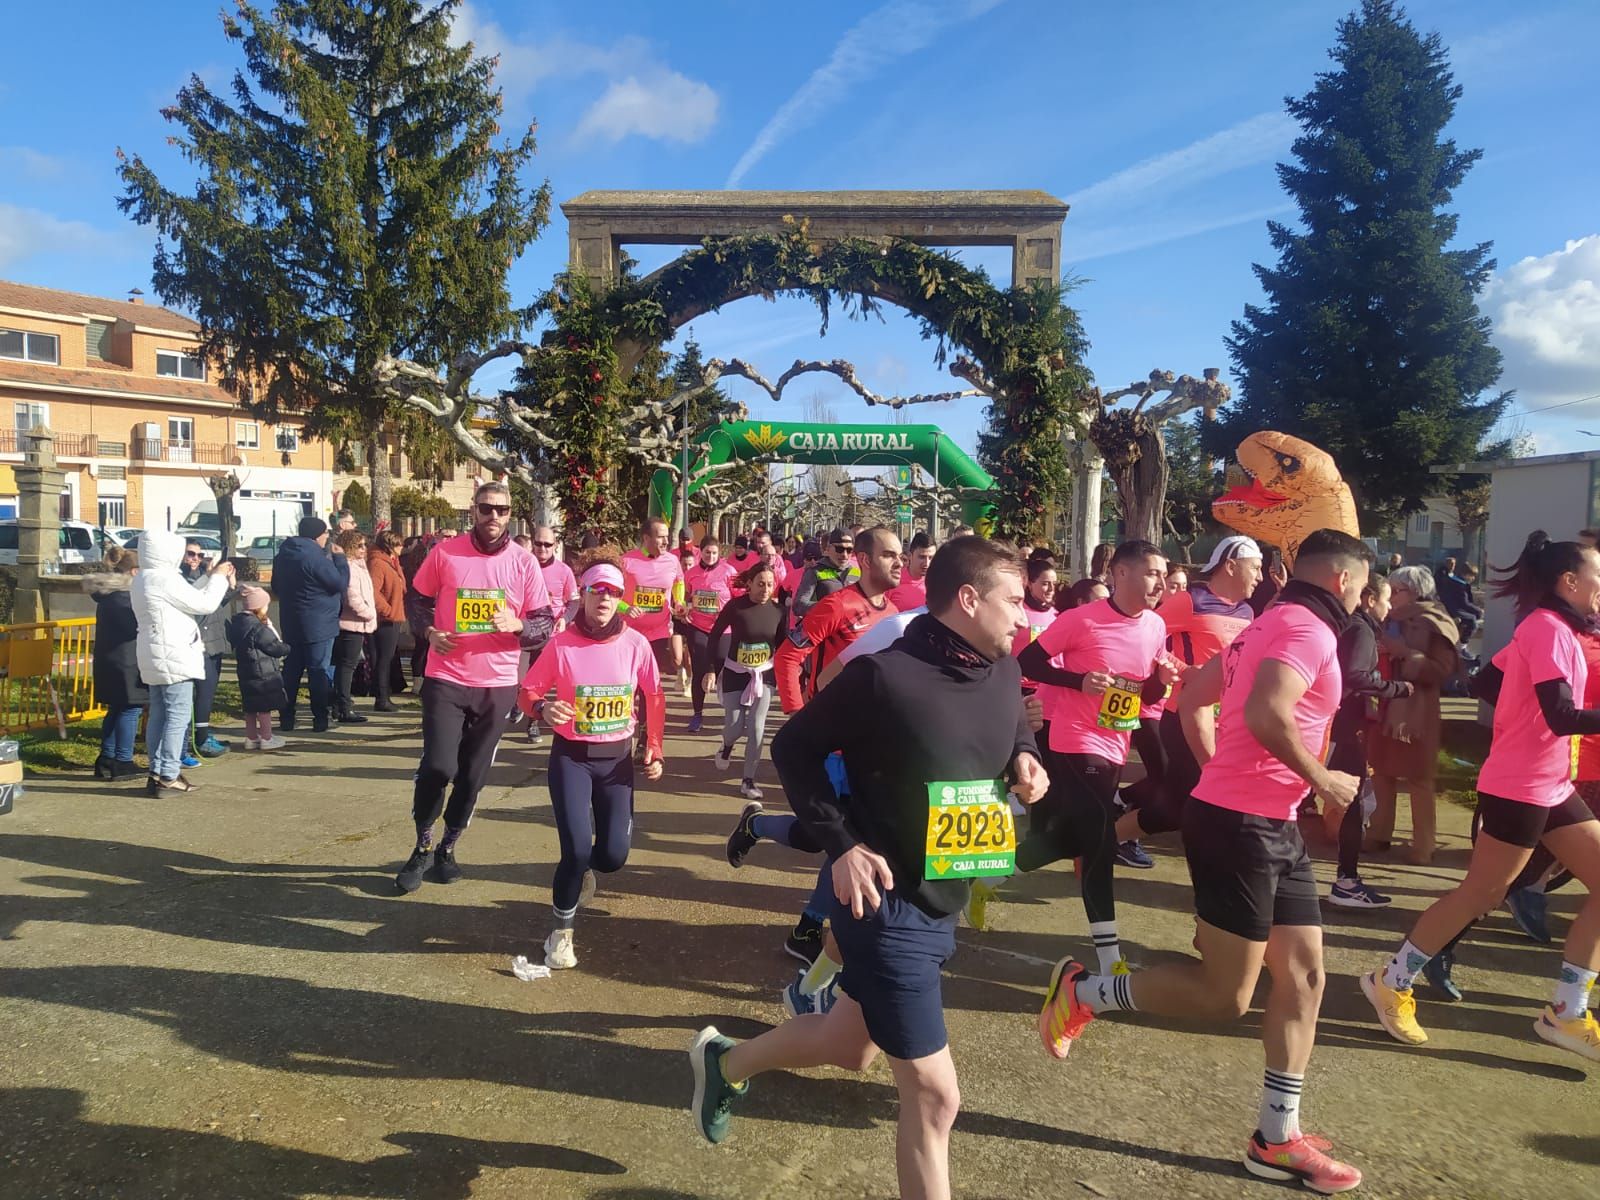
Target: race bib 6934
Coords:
[(476, 607)]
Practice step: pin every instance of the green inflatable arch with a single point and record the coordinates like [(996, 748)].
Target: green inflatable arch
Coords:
[(843, 445)]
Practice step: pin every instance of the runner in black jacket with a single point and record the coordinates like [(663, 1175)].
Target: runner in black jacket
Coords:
[(928, 729)]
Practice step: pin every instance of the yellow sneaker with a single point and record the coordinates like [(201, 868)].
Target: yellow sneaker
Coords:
[(1397, 1011), (1122, 967), (1581, 1035), (976, 909)]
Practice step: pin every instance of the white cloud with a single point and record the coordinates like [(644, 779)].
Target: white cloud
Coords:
[(893, 31), (29, 163), (28, 232), (1546, 314), (642, 96), (663, 105), (1121, 239), (1260, 139)]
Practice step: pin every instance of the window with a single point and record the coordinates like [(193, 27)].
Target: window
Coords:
[(30, 347), (30, 415), (247, 435), (114, 510), (180, 439), (1421, 525), (179, 364), (288, 438)]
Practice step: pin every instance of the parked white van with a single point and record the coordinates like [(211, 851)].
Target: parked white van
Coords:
[(257, 517)]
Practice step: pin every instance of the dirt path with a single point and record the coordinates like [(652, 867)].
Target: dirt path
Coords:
[(220, 996)]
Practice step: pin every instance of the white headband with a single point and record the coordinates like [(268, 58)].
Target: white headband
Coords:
[(1235, 546)]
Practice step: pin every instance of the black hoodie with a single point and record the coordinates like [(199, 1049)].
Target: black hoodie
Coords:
[(929, 709)]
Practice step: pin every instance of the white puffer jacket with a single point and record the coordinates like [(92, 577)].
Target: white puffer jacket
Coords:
[(165, 604)]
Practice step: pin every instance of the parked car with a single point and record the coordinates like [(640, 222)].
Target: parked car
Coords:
[(264, 549), (119, 534), (79, 543), (211, 544)]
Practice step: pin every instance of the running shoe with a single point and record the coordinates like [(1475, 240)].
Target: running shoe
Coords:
[(1581, 1035), (1352, 893), (558, 952), (252, 743), (591, 885), (976, 909), (804, 942), (189, 760), (445, 869), (211, 748), (1529, 909), (1397, 1011), (712, 1107), (1063, 1018), (535, 734), (1303, 1158), (743, 838), (1132, 854), (696, 723), (683, 678), (272, 743), (798, 1004), (723, 757), (749, 790), (411, 875), (1437, 972)]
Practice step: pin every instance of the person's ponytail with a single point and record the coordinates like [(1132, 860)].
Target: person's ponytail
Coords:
[(1533, 576)]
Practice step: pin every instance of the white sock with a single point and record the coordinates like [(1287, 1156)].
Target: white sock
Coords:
[(1404, 966), (1106, 993), (1279, 1121), (1572, 992), (1106, 947)]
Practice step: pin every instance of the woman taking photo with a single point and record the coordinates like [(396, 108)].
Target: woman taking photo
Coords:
[(1525, 796), (709, 586), (1419, 639), (116, 667), (357, 619), (753, 624), (595, 666)]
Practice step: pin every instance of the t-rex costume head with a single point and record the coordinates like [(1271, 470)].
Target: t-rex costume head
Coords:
[(1293, 488)]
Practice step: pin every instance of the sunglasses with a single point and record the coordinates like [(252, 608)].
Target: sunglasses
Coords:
[(843, 547), (604, 589), (545, 545), (494, 510)]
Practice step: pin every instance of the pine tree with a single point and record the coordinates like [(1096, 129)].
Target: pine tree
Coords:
[(351, 204), (1370, 344)]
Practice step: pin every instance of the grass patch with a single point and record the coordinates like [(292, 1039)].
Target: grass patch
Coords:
[(1462, 749), (43, 751)]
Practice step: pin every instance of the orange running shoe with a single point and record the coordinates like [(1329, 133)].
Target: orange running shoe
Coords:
[(1062, 1019), (1302, 1159)]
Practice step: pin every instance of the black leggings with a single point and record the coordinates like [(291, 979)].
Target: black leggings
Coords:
[(1077, 818), (385, 662), (593, 802), (1162, 810), (703, 659), (346, 654), (461, 726)]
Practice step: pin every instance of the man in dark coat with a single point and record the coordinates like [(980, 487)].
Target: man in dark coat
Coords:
[(310, 584)]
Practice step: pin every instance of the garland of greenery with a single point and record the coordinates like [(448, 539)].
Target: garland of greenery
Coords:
[(1025, 344)]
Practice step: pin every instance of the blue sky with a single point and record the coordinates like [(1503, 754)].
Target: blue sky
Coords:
[(1160, 123)]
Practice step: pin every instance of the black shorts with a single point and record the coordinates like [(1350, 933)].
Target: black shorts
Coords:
[(1250, 873), (892, 960), (1520, 823), (1079, 783)]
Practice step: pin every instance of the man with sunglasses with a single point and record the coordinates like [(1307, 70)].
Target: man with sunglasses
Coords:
[(558, 578), (833, 571), (480, 600)]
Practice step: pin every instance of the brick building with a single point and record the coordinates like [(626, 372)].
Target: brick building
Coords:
[(140, 420)]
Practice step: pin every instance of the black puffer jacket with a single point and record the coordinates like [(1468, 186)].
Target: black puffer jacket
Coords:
[(257, 648), (116, 635)]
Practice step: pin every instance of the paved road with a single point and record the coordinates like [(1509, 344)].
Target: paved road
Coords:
[(220, 996)]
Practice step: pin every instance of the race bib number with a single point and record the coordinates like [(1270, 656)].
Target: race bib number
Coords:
[(475, 609), (970, 830), (1119, 705), (649, 600), (752, 654), (707, 602), (1034, 631), (602, 708)]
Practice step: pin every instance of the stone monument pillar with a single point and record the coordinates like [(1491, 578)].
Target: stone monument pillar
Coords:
[(39, 484)]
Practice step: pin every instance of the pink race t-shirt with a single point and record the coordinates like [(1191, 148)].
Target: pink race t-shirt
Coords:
[(707, 590), (1026, 635), (1097, 637), (912, 593), (560, 583), (1526, 761), (468, 588), (650, 592), (1242, 775), (598, 679)]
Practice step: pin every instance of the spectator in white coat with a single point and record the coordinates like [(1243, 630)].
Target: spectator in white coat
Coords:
[(170, 650)]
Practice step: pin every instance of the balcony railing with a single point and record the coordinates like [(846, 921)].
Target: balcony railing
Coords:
[(207, 454), (71, 445)]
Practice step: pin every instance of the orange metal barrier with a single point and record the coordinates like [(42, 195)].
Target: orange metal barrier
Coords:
[(47, 675)]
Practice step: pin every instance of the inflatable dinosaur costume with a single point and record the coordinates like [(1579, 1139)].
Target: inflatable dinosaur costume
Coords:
[(1292, 488)]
